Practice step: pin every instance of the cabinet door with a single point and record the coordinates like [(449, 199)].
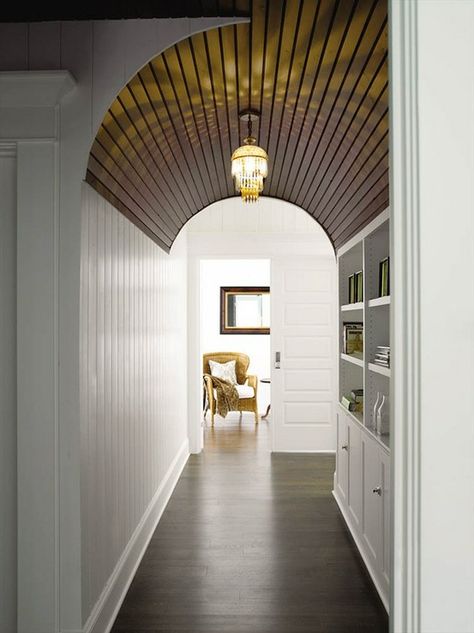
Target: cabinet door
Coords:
[(386, 521), (372, 500), (342, 466), (355, 472)]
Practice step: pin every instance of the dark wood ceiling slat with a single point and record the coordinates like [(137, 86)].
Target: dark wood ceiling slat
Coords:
[(119, 190), (125, 172), (143, 171), (118, 203), (317, 72), (341, 97), (345, 127), (370, 139)]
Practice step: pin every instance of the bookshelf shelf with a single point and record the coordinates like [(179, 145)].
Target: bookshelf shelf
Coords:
[(352, 307), (353, 359), (379, 301), (378, 369)]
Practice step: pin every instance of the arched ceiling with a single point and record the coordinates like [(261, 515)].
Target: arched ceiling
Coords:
[(317, 72)]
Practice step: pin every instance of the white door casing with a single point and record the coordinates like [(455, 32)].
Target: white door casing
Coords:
[(303, 332)]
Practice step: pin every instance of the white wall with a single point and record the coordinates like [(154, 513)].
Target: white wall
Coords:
[(8, 481), (133, 384), (235, 272)]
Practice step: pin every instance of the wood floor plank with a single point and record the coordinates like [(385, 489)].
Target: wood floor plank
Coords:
[(251, 543)]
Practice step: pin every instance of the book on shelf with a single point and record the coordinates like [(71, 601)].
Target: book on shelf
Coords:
[(382, 356), (384, 277), (351, 405), (357, 395)]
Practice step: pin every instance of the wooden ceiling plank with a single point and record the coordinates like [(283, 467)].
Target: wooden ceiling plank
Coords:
[(369, 139), (207, 87), (332, 63), (365, 206), (329, 162), (183, 78), (170, 155), (294, 38), (222, 123), (372, 186), (119, 189), (229, 70), (306, 103), (99, 186), (128, 141), (360, 182), (180, 148), (113, 136), (273, 24), (174, 89), (363, 218), (139, 184), (331, 43), (300, 75), (150, 136), (341, 94), (354, 180)]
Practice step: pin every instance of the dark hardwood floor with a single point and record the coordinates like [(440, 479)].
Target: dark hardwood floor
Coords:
[(251, 543)]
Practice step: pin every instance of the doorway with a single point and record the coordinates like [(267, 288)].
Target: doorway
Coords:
[(245, 244)]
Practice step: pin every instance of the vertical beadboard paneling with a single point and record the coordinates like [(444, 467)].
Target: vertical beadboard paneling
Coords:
[(133, 380), (8, 448)]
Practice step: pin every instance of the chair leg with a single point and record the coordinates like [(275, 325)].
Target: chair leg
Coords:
[(212, 416), (256, 416)]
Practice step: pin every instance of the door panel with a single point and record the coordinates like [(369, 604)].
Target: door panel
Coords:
[(355, 472), (342, 456), (303, 331), (371, 473), (386, 533)]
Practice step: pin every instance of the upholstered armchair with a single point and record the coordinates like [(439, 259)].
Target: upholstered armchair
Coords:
[(246, 385)]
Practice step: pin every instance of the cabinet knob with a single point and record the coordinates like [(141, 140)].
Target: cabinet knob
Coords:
[(377, 491), (344, 447)]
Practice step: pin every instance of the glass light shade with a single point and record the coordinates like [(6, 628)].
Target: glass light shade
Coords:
[(249, 170)]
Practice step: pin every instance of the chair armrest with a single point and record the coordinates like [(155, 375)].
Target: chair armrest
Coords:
[(252, 381)]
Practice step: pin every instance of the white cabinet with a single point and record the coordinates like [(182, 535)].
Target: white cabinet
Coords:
[(363, 493), (342, 470)]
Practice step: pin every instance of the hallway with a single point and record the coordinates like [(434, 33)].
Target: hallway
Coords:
[(251, 542)]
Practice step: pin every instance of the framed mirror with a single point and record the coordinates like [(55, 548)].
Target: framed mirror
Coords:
[(245, 310)]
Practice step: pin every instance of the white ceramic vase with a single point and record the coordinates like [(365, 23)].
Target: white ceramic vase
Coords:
[(383, 419), (374, 412)]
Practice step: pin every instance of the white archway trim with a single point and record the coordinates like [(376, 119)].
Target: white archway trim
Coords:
[(404, 324)]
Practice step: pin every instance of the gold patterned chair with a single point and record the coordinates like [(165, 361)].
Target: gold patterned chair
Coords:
[(246, 385)]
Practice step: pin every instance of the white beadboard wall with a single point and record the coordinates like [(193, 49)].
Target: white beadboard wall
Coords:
[(133, 382), (8, 449)]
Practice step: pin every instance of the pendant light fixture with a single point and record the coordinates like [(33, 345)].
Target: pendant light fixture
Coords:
[(249, 163)]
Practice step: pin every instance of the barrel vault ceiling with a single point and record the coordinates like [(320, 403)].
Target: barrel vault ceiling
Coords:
[(317, 72)]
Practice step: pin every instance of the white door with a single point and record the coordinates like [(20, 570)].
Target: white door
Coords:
[(303, 334)]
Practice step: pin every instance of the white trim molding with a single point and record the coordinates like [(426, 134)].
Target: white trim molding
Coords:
[(432, 191), (404, 326), (107, 607)]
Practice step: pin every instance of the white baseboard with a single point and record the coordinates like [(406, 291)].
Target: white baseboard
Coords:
[(106, 609), (355, 536)]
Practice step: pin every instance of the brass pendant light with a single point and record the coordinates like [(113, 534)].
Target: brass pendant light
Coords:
[(249, 163)]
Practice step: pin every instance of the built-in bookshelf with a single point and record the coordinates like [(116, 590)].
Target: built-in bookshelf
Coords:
[(363, 460), (365, 370)]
